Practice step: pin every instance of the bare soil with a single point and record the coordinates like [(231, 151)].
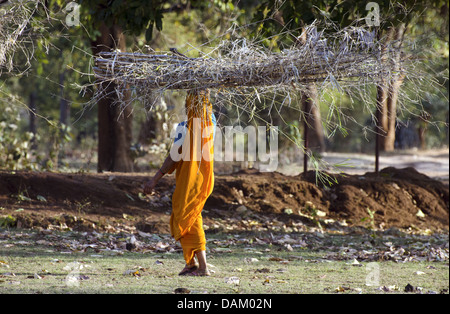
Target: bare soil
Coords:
[(400, 198)]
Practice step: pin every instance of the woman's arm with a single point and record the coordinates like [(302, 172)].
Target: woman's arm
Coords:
[(167, 166)]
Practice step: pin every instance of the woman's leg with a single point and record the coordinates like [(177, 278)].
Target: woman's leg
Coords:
[(202, 266), (201, 257)]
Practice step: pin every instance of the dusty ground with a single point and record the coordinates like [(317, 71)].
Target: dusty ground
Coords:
[(243, 201)]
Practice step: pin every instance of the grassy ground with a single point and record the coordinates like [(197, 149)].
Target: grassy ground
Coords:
[(71, 262)]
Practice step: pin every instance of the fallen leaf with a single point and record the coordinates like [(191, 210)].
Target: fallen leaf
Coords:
[(355, 263), (41, 198), (144, 234), (263, 270), (232, 280), (341, 289), (133, 272), (182, 291), (409, 288), (266, 282), (420, 214), (260, 241), (249, 260), (393, 288)]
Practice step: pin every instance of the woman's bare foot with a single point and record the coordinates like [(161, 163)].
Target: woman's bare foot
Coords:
[(188, 269), (199, 273)]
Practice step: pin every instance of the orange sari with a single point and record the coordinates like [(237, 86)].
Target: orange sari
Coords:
[(194, 176)]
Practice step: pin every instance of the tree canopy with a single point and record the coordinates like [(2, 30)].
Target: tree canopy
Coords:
[(62, 59)]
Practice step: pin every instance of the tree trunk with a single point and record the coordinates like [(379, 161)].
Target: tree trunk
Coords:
[(313, 120), (388, 90), (381, 116), (380, 121), (114, 122), (147, 133), (64, 108), (422, 129), (312, 126), (32, 105), (387, 94), (64, 112), (393, 91)]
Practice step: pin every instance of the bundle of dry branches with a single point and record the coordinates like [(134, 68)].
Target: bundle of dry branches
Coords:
[(259, 81), (349, 54), (15, 17)]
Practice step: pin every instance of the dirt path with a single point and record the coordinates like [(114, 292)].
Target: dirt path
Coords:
[(433, 163)]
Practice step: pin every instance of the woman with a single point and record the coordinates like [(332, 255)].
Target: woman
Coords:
[(192, 158)]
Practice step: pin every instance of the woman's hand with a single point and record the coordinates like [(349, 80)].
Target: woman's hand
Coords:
[(167, 165), (149, 186)]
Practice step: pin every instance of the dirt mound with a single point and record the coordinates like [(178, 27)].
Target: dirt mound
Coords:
[(401, 198)]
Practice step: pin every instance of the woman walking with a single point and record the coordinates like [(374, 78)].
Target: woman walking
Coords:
[(192, 159)]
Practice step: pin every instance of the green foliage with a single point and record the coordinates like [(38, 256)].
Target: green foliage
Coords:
[(370, 220), (134, 16), (139, 16), (60, 134), (14, 144), (7, 221)]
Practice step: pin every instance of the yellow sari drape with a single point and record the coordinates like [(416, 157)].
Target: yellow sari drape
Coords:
[(194, 176)]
